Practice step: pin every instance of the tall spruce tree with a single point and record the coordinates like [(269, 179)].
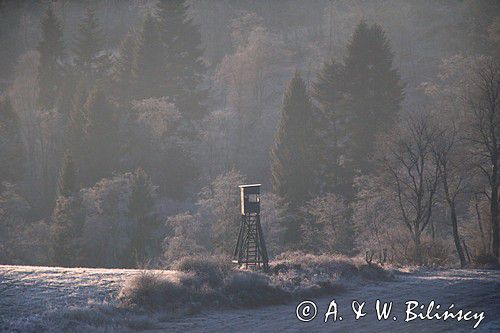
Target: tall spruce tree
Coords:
[(51, 50), (373, 93), (101, 138), (184, 68), (293, 161), (329, 95), (91, 59), (140, 209), (12, 152), (149, 62), (67, 184)]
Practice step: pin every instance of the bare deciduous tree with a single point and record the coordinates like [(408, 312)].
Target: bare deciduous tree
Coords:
[(484, 102), (411, 174), (327, 227), (451, 163)]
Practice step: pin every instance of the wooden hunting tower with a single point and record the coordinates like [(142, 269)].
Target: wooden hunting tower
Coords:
[(250, 249)]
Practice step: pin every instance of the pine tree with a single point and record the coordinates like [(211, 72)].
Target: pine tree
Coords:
[(51, 49), (122, 67), (184, 67), (140, 209), (12, 152), (90, 57), (101, 138), (149, 62), (374, 92), (293, 168), (67, 182)]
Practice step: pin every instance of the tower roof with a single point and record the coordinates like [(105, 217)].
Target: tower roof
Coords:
[(250, 185)]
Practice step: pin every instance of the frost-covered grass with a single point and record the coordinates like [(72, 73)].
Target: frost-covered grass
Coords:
[(49, 299), (53, 299), (34, 299)]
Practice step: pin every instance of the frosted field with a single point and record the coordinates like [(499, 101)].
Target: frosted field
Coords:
[(83, 299)]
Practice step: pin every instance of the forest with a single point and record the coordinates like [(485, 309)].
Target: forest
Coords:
[(127, 126)]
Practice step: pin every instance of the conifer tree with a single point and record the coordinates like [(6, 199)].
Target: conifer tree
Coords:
[(184, 67), (328, 93), (149, 62), (101, 138), (67, 182), (70, 81), (51, 49), (76, 124), (90, 57), (67, 216), (67, 224), (12, 152), (140, 209), (374, 92), (293, 168), (122, 67)]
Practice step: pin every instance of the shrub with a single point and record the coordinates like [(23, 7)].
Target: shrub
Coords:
[(309, 275), (212, 280), (434, 253), (484, 260), (373, 272), (209, 269), (251, 289), (152, 290)]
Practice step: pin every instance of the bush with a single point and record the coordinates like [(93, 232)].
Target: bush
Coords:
[(373, 272), (251, 289), (484, 260), (204, 280), (209, 269), (435, 253), (212, 281), (310, 275), (152, 290)]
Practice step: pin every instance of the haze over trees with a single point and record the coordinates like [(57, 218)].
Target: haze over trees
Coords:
[(125, 128)]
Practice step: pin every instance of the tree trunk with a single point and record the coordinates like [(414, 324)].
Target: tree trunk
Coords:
[(483, 238), (494, 222), (418, 248), (433, 231), (456, 237), (494, 212)]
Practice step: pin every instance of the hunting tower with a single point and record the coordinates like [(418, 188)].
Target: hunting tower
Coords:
[(250, 249)]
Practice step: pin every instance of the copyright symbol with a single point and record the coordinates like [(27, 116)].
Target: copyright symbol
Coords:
[(306, 311)]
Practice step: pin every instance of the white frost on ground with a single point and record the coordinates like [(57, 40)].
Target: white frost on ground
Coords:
[(30, 294)]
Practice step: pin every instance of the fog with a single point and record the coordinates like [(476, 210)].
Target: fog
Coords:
[(127, 126)]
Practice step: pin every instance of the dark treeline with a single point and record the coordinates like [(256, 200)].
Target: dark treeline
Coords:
[(125, 128)]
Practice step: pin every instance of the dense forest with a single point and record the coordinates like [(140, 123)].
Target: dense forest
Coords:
[(127, 126)]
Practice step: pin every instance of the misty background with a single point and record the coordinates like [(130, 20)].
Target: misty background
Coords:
[(126, 127)]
